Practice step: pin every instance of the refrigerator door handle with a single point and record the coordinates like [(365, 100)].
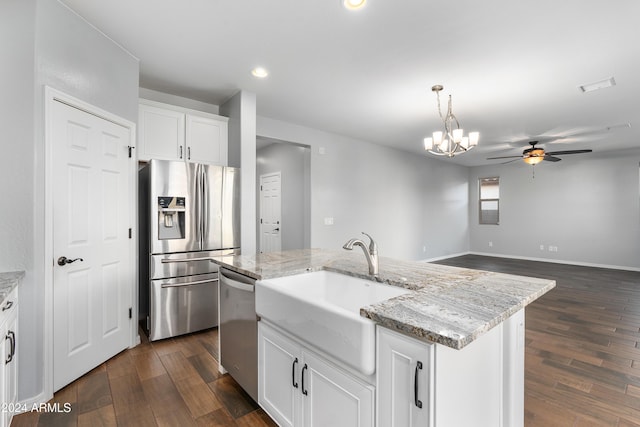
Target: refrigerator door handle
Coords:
[(178, 285), (171, 261), (205, 205)]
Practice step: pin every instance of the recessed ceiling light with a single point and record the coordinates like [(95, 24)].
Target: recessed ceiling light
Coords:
[(260, 72), (602, 84), (353, 4)]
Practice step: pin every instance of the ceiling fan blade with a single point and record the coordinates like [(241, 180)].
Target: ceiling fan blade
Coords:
[(504, 157), (509, 161), (551, 158), (553, 153)]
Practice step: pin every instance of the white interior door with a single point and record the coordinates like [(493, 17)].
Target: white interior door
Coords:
[(270, 210), (91, 196)]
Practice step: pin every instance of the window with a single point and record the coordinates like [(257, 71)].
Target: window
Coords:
[(489, 206)]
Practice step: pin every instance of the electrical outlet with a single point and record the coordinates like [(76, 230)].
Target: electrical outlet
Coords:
[(542, 247), (424, 249), (490, 244), (328, 221)]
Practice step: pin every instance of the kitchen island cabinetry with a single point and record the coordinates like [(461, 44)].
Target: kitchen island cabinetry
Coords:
[(168, 132), (298, 387), (424, 384)]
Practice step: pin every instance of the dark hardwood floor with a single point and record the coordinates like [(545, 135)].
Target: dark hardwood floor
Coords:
[(582, 356), (173, 382), (582, 363)]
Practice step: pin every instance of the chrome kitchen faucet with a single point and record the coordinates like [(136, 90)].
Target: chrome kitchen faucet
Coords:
[(371, 254)]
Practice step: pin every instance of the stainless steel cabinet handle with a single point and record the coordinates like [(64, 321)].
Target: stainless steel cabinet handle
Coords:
[(63, 260), (418, 402), (7, 306), (188, 153), (181, 151), (304, 391), (293, 373)]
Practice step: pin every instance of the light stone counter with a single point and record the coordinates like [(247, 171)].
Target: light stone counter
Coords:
[(8, 282), (449, 305)]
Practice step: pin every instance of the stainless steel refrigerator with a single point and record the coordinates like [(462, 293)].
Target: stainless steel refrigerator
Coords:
[(188, 212)]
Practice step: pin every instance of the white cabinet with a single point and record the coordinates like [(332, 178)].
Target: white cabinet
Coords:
[(485, 378), (173, 133), (8, 370), (298, 387), (404, 381)]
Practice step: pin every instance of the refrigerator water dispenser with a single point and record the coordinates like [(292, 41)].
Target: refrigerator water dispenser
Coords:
[(171, 217)]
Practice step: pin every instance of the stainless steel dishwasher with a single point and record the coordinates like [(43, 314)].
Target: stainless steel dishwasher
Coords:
[(238, 329)]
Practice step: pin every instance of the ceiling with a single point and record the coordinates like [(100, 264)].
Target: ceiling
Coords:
[(513, 68)]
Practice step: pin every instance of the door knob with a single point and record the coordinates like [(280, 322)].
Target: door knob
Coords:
[(63, 260)]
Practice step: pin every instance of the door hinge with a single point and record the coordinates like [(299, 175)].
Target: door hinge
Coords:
[(130, 313), (130, 148)]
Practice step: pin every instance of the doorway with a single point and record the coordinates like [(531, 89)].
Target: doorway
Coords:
[(270, 191), (89, 249), (292, 163)]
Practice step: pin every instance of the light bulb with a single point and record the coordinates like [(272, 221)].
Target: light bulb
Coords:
[(457, 135), (437, 138), (473, 138), (428, 143)]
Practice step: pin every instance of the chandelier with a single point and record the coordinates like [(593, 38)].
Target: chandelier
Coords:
[(452, 141)]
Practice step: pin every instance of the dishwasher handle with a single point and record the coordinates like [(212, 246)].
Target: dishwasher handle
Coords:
[(237, 281)]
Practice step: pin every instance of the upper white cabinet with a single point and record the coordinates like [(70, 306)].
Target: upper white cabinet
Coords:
[(169, 132)]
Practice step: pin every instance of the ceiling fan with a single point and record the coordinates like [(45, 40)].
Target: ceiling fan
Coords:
[(535, 155)]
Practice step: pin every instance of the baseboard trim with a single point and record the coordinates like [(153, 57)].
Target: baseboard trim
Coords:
[(555, 261), (439, 258), (32, 403)]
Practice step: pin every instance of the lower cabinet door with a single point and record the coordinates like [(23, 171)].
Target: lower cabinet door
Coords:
[(404, 381), (279, 368), (332, 398)]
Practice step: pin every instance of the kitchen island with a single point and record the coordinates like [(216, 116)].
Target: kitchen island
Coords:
[(448, 352), (449, 305)]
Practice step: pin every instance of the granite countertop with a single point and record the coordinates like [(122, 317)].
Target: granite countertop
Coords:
[(8, 282), (449, 305)]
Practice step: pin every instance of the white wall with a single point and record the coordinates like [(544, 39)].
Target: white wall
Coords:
[(154, 95), (241, 110), (587, 206), (17, 46), (46, 44), (406, 202), (293, 163)]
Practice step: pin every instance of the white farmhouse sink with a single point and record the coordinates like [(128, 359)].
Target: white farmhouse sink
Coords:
[(323, 309)]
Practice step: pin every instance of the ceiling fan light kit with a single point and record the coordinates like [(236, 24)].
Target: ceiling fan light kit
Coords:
[(451, 141), (534, 155)]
